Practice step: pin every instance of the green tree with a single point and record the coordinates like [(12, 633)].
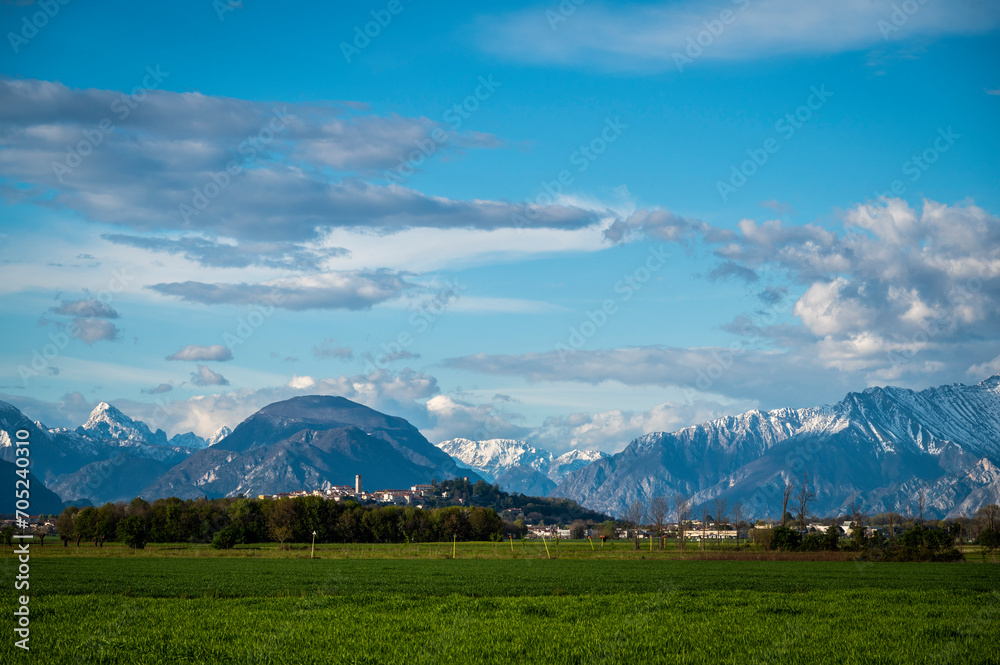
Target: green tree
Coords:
[(281, 520), (248, 521), (86, 525), (784, 538), (65, 525), (134, 531), (349, 524), (106, 525), (832, 538), (226, 537), (989, 539)]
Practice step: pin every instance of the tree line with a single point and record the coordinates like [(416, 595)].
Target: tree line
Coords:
[(887, 535), (228, 522)]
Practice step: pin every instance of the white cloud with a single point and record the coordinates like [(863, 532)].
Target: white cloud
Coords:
[(87, 308), (331, 290), (395, 393), (302, 382), (825, 311), (216, 352), (614, 429), (94, 330), (206, 377), (453, 418), (659, 35), (166, 168), (895, 287), (986, 369), (487, 305)]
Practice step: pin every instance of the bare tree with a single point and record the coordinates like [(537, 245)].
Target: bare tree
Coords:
[(803, 498), (891, 520), (789, 488), (682, 510), (858, 518), (720, 507), (921, 500), (739, 520), (659, 509), (990, 516), (634, 516)]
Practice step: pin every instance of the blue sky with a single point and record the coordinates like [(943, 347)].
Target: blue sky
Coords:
[(572, 223)]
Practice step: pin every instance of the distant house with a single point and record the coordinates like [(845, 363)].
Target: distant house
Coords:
[(535, 531), (396, 496)]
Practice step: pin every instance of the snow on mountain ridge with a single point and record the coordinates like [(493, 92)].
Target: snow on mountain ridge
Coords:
[(492, 458), (884, 443), (894, 417), (219, 435), (106, 421)]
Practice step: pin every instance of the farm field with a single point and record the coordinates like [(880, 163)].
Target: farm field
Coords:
[(200, 608)]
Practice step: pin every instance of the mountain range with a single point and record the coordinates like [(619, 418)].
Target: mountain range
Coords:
[(516, 466), (109, 458), (885, 447)]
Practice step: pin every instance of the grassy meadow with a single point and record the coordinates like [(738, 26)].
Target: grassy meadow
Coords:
[(415, 604)]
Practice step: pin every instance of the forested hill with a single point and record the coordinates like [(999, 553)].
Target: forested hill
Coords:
[(552, 510)]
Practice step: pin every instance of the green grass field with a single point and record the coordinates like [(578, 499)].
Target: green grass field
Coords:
[(355, 606)]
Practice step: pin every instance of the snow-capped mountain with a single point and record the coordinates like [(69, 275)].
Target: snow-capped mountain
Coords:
[(219, 435), (493, 457), (575, 459), (885, 445), (517, 466), (107, 422), (110, 457)]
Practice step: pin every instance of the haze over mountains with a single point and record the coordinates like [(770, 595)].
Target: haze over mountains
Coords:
[(883, 445)]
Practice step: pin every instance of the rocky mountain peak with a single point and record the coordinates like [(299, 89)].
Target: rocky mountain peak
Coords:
[(219, 435)]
